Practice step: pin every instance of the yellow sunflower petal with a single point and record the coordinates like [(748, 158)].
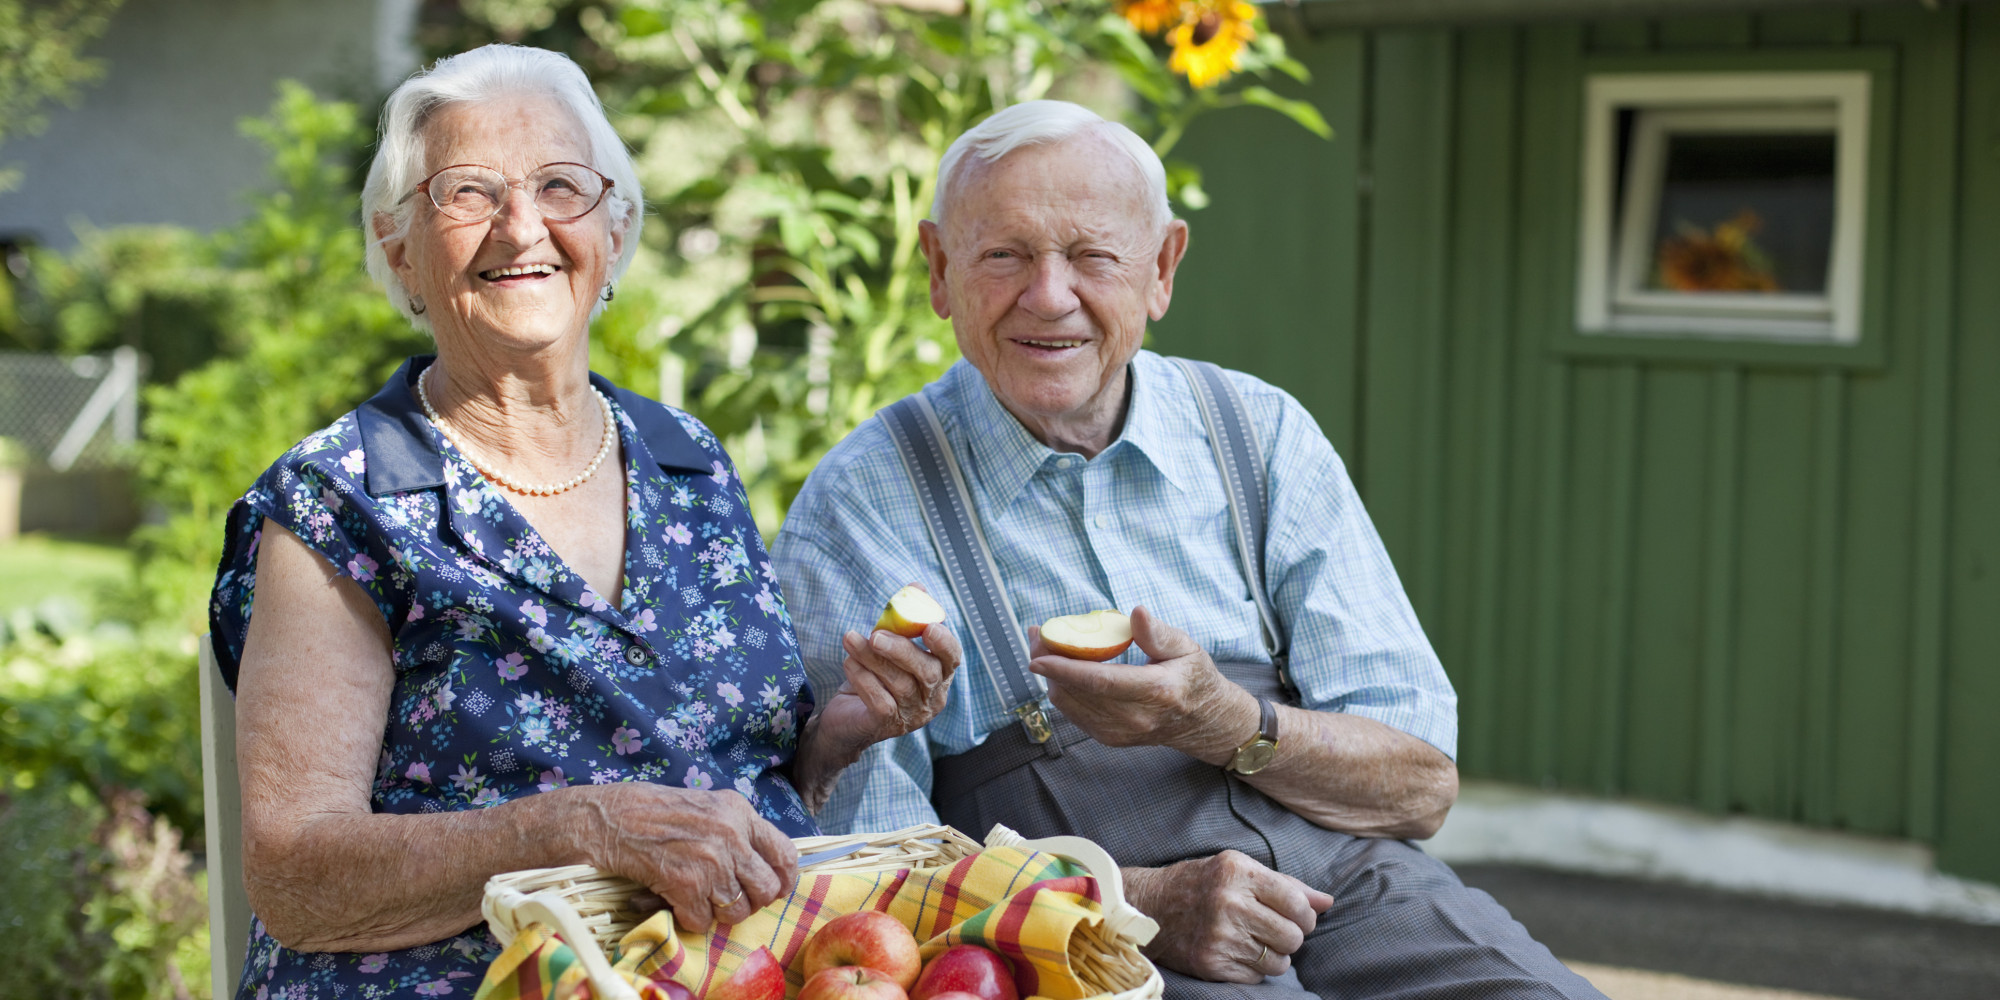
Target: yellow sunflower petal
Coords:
[(1150, 17), (1209, 46)]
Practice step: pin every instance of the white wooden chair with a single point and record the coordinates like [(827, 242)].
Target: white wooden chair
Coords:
[(222, 801)]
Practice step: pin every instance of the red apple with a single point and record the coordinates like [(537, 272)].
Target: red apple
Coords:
[(868, 938), (967, 968), (1093, 635), (955, 995), (760, 977), (851, 982), (909, 611)]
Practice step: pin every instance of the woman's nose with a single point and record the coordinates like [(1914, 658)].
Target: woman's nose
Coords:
[(519, 221)]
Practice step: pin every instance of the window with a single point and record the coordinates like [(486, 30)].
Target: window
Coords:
[(1724, 205)]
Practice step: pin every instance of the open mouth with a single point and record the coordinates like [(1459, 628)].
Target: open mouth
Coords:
[(1050, 346), (519, 275)]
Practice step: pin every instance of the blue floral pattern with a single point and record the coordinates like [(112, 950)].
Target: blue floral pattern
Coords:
[(513, 677)]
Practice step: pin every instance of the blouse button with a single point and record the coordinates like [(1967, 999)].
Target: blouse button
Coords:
[(635, 654)]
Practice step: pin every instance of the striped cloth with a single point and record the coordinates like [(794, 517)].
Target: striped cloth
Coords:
[(1024, 905)]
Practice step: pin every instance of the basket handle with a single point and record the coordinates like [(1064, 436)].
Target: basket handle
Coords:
[(1120, 917), (512, 909)]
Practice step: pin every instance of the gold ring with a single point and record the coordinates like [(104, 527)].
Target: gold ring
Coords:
[(1263, 953), (728, 903)]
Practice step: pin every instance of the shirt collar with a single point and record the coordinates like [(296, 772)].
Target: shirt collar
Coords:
[(1005, 456), (402, 448)]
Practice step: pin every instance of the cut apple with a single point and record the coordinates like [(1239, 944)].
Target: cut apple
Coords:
[(909, 612), (1093, 635)]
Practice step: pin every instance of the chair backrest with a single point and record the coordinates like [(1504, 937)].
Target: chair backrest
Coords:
[(222, 801)]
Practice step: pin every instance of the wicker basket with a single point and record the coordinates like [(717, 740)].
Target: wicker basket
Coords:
[(586, 904)]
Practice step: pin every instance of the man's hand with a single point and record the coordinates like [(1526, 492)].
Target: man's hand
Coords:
[(1226, 919), (1178, 700), (892, 686)]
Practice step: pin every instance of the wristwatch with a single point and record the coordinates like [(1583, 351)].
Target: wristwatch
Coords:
[(1257, 751)]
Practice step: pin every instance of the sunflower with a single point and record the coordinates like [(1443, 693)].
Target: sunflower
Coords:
[(1150, 17), (1208, 46)]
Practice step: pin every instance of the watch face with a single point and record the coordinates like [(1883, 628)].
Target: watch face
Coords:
[(1252, 758)]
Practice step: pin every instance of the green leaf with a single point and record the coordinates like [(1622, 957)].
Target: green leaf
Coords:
[(640, 22), (1299, 111)]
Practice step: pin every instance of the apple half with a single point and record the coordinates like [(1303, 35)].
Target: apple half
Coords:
[(909, 612), (1093, 635)]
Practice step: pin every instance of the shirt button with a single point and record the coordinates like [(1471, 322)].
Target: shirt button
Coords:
[(1102, 522), (1064, 463), (635, 654)]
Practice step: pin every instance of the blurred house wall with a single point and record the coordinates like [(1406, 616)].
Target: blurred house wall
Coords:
[(156, 140), (1742, 583)]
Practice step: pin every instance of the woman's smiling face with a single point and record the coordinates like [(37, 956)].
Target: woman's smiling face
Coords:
[(515, 279)]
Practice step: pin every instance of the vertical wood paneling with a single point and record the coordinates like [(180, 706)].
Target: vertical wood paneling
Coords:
[(1718, 581), (1581, 737), (1929, 119), (1617, 584), (1768, 694), (1622, 35), (1549, 126), (1662, 685), (1829, 475), (1760, 589), (1711, 31), (1970, 786), (1483, 277), (1804, 27), (1404, 320)]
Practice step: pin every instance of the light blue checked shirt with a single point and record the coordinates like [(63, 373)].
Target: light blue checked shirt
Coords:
[(1145, 522)]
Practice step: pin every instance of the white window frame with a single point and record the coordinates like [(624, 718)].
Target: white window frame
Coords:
[(1610, 296)]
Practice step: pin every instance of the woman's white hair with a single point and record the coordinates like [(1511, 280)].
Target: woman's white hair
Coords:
[(1033, 123), (483, 74)]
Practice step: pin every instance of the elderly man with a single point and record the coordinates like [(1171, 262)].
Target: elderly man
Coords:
[(1282, 719)]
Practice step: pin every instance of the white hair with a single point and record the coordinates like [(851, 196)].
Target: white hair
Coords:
[(1033, 123), (483, 74)]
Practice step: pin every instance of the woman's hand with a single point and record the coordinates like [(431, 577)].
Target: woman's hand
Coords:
[(706, 853)]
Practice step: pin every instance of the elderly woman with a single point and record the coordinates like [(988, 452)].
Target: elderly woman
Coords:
[(508, 615)]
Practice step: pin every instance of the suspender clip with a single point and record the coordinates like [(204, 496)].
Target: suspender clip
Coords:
[(1035, 721)]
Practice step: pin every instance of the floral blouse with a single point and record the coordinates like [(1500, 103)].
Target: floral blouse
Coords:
[(512, 676)]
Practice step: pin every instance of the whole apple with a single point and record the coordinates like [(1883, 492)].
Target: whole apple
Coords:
[(868, 938), (760, 977), (967, 968), (851, 982)]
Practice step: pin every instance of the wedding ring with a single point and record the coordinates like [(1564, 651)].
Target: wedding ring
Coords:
[(723, 905), (1262, 954)]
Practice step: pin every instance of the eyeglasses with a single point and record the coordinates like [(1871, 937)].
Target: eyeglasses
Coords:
[(563, 192)]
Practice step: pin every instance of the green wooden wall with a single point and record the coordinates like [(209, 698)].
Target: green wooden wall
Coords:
[(1752, 588)]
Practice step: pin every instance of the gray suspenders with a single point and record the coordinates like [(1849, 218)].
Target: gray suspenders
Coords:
[(946, 502)]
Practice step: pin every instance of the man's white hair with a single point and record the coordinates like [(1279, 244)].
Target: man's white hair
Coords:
[(484, 74), (1046, 122)]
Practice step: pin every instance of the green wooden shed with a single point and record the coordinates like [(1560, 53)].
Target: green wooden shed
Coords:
[(1735, 546)]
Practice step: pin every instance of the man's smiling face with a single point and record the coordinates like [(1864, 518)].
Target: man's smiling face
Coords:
[(1049, 261)]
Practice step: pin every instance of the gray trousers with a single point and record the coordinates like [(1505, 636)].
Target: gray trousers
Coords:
[(1402, 925)]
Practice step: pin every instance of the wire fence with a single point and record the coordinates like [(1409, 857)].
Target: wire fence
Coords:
[(71, 413)]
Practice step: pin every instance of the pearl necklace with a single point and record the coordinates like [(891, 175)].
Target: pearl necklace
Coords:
[(531, 489)]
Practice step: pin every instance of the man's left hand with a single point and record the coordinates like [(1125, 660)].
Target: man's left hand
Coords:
[(1180, 699)]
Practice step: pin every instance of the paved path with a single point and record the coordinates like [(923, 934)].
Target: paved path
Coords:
[(1844, 952)]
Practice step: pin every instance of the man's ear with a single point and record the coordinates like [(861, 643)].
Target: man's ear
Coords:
[(392, 244), (1172, 248), (931, 239)]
